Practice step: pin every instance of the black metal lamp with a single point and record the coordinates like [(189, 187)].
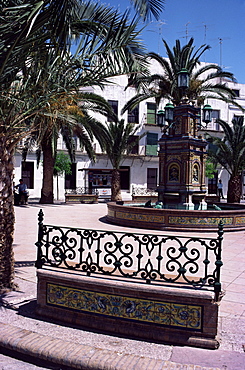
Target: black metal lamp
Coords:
[(207, 113), (183, 78), (169, 112), (161, 118)]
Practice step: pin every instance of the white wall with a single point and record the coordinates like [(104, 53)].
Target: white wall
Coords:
[(138, 164)]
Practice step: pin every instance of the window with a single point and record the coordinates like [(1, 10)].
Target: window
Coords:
[(71, 179), (133, 115), (212, 184), (135, 149), (114, 105), (27, 174), (213, 125), (151, 178), (236, 117), (151, 113), (151, 144), (215, 116), (125, 177), (236, 92)]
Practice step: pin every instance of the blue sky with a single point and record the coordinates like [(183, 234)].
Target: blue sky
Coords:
[(218, 23)]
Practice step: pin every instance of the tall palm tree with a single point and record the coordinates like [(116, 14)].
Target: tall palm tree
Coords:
[(18, 109), (24, 27), (62, 76), (205, 81), (229, 152), (117, 144)]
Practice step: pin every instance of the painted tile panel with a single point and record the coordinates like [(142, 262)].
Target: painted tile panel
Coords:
[(162, 313)]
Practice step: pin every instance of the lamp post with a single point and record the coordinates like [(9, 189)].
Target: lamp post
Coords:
[(161, 118), (182, 154), (183, 78), (207, 113), (169, 113)]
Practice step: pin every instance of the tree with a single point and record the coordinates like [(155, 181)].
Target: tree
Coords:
[(203, 80), (118, 141), (24, 28), (62, 166), (17, 112), (210, 169), (148, 8), (63, 79), (229, 152)]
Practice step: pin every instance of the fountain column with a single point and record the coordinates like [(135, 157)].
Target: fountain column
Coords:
[(182, 158)]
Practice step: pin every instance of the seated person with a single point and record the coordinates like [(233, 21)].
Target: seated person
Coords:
[(23, 193)]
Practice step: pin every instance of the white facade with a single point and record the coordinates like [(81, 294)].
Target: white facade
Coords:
[(140, 167)]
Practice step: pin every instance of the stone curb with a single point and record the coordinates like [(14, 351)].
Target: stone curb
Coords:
[(80, 356)]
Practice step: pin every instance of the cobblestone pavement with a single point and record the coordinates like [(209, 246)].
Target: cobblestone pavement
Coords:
[(17, 314)]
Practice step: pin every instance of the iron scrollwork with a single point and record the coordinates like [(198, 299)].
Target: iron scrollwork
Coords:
[(149, 258)]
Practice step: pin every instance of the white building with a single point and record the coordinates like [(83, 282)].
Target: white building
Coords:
[(139, 168)]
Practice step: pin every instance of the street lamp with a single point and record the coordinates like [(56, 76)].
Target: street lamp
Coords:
[(183, 78), (169, 112), (161, 118), (182, 150), (207, 113), (167, 115)]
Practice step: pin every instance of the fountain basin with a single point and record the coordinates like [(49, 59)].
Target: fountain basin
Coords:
[(132, 214)]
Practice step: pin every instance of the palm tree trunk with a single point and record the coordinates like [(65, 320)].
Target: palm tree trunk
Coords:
[(47, 192), (115, 186), (234, 189), (7, 218)]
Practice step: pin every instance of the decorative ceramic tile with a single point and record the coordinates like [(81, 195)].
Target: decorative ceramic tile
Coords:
[(163, 313), (240, 220), (139, 217), (199, 221), (111, 213)]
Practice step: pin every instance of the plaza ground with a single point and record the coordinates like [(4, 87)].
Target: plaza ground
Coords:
[(17, 312)]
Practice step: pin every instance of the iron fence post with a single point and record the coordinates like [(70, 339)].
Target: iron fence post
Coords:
[(218, 262), (38, 262)]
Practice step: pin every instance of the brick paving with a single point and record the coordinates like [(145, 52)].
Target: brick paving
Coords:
[(21, 330)]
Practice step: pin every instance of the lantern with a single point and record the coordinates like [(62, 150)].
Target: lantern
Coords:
[(207, 113), (183, 78), (169, 112), (161, 118)]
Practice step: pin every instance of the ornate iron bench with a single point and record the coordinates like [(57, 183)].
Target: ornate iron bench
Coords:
[(155, 287), (140, 194), (81, 195)]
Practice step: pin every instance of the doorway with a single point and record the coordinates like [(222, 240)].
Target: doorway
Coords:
[(27, 174), (151, 178)]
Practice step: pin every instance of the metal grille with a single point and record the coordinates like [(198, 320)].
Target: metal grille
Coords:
[(158, 259)]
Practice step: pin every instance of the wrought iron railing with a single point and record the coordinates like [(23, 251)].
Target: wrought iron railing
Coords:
[(82, 190), (167, 259), (143, 191)]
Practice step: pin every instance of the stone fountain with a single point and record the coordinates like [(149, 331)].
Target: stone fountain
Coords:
[(182, 190)]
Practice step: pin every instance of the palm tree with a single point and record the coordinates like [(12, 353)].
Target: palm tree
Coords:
[(148, 8), (24, 27), (229, 152), (18, 109), (203, 80), (118, 141), (62, 77), (67, 117)]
